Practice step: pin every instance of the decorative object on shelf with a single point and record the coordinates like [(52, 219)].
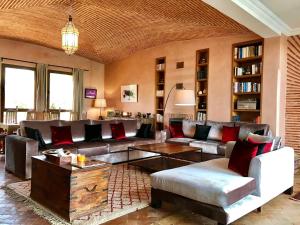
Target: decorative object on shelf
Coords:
[(129, 93), (70, 36), (90, 93), (100, 103)]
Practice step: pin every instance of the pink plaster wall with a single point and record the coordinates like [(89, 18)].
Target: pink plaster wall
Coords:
[(94, 78), (139, 69)]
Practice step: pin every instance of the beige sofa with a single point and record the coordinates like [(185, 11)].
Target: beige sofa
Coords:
[(213, 144), (19, 148)]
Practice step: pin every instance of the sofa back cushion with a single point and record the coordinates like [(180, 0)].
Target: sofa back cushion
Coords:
[(77, 128), (61, 135), (189, 127), (42, 125), (216, 129), (246, 128), (130, 127)]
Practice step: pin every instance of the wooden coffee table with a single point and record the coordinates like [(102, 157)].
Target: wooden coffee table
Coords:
[(167, 156), (69, 191)]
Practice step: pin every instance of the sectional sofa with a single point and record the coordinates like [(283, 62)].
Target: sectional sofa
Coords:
[(213, 144), (213, 190), (19, 148)]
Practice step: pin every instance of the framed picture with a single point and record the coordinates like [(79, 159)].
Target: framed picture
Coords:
[(90, 93), (129, 93)]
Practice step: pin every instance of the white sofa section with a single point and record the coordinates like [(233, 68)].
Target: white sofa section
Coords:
[(209, 182)]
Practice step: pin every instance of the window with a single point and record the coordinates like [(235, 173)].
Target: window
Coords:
[(19, 88), (60, 91)]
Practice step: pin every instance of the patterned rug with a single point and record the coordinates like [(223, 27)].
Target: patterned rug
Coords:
[(128, 191)]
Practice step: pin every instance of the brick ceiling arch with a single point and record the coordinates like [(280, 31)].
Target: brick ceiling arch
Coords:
[(113, 29)]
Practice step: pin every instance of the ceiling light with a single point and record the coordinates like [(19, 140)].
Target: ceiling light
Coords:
[(70, 37)]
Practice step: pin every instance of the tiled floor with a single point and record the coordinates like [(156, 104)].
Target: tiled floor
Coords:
[(280, 211)]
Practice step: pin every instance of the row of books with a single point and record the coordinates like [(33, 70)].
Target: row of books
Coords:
[(255, 68), (242, 87), (248, 51), (201, 116)]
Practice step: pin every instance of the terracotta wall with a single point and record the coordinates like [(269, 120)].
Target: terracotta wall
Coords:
[(139, 69), (94, 78)]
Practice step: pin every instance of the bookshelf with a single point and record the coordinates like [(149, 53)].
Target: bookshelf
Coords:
[(160, 75), (201, 83), (247, 72)]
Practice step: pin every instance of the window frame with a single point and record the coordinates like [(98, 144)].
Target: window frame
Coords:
[(3, 109), (48, 90)]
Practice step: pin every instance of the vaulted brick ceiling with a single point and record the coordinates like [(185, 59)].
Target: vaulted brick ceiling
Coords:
[(113, 29)]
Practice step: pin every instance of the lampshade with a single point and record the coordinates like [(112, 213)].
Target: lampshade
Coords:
[(184, 98), (70, 37), (100, 103)]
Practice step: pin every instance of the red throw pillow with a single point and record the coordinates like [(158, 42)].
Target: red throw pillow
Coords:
[(117, 131), (241, 156), (230, 134), (263, 147), (176, 130), (61, 135)]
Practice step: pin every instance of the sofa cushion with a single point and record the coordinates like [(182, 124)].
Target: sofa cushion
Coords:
[(263, 146), (209, 146), (176, 130), (184, 141), (61, 135), (246, 128), (230, 134), (144, 131), (242, 154), (130, 127), (118, 131), (93, 132), (122, 145), (35, 134), (42, 125), (189, 127), (209, 182), (216, 129), (77, 128), (201, 132), (91, 148)]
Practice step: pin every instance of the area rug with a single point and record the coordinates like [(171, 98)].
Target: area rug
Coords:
[(128, 191)]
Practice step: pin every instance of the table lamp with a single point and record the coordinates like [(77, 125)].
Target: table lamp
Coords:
[(100, 103)]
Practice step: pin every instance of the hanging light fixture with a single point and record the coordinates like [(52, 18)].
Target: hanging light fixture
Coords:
[(70, 37)]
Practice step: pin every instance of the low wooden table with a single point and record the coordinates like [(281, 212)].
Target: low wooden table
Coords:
[(69, 191), (167, 158)]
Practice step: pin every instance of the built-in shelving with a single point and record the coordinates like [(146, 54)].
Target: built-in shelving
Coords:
[(201, 83), (160, 75), (247, 72)]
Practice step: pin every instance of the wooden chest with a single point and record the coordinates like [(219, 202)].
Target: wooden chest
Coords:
[(69, 191)]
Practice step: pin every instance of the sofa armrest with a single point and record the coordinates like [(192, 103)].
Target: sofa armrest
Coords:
[(273, 172), (18, 152)]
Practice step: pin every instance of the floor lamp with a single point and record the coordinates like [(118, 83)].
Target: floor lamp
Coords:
[(183, 97), (100, 103)]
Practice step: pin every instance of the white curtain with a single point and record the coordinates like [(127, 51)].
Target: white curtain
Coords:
[(78, 92), (41, 87)]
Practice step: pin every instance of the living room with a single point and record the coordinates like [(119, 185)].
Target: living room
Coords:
[(137, 112)]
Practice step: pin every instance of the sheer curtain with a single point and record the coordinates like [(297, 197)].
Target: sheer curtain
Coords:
[(78, 92), (41, 87)]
